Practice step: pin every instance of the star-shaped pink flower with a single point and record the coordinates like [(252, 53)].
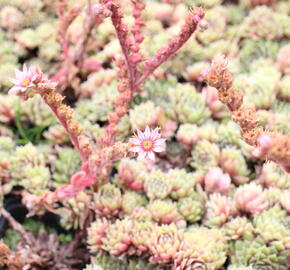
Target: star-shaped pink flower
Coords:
[(147, 142), (24, 80)]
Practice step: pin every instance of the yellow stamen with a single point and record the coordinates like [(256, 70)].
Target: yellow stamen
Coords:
[(147, 144), (25, 82)]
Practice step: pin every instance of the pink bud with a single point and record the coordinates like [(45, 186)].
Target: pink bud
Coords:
[(265, 141), (196, 18), (203, 25), (217, 181)]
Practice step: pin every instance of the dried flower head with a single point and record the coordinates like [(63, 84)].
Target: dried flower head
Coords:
[(148, 142)]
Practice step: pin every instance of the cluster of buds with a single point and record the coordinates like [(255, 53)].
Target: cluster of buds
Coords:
[(274, 146)]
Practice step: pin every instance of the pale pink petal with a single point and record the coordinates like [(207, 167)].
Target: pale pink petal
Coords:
[(14, 81), (14, 90), (141, 155), (30, 71), (140, 134), (135, 141), (23, 89), (155, 133), (33, 77), (147, 132), (159, 142), (19, 74), (136, 149), (151, 155), (158, 149)]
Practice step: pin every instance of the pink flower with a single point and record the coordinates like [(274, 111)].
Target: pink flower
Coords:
[(148, 142), (24, 79)]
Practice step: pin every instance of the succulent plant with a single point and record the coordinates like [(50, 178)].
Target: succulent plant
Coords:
[(262, 23), (98, 107), (191, 208), (262, 87), (145, 114), (283, 59), (96, 233), (132, 174), (273, 176), (32, 112), (217, 181), (11, 18), (188, 105), (164, 211), (142, 234), (219, 209), (205, 155), (157, 185), (67, 163), (108, 200), (75, 212), (187, 135), (117, 239), (165, 243), (25, 156), (35, 179), (252, 50), (181, 182), (285, 88), (233, 162), (206, 246), (132, 200), (251, 198), (255, 253), (238, 228), (56, 134)]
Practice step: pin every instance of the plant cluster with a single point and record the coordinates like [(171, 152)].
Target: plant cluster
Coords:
[(153, 150)]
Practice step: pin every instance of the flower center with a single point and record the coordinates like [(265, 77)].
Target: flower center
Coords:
[(147, 144), (25, 82)]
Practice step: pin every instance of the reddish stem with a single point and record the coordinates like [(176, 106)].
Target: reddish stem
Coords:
[(124, 41), (173, 45)]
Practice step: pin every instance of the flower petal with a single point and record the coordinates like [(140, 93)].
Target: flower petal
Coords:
[(155, 133), (147, 132), (14, 90), (135, 141), (136, 149), (158, 149), (140, 134), (141, 155), (14, 81), (159, 142), (19, 74), (151, 155)]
